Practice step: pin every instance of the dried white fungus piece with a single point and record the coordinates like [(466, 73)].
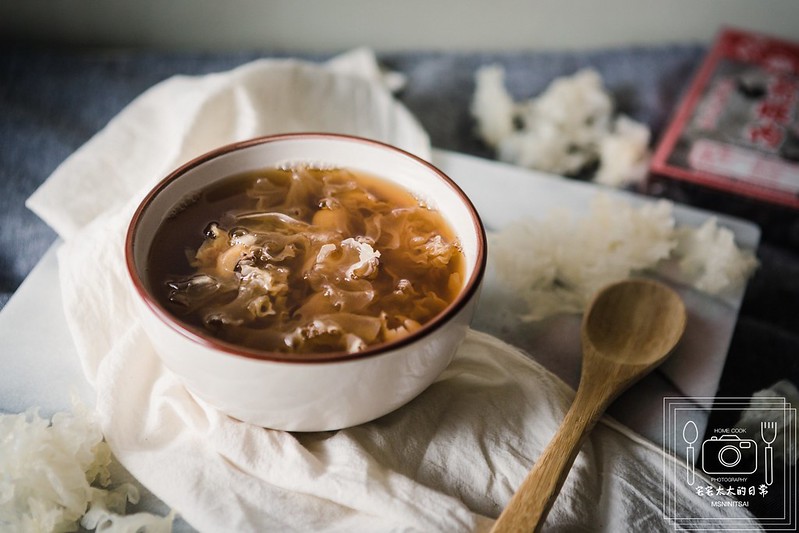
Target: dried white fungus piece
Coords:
[(784, 420), (564, 130), (53, 473), (107, 513), (493, 105), (557, 263), (624, 154), (710, 258)]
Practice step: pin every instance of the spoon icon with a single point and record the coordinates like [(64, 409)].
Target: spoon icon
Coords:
[(689, 434), (628, 329)]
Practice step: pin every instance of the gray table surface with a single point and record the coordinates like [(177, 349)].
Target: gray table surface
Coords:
[(52, 101)]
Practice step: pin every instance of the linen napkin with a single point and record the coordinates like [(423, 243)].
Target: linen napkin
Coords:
[(448, 461)]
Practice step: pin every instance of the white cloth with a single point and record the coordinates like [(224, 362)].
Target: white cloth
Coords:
[(444, 462)]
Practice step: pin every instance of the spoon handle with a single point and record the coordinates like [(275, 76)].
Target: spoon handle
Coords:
[(531, 502)]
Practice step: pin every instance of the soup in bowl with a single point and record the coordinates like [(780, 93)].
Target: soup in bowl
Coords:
[(306, 282)]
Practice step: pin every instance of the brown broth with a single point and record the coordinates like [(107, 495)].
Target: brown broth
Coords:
[(305, 260)]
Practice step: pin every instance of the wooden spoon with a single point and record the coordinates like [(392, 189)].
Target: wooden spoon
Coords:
[(629, 328)]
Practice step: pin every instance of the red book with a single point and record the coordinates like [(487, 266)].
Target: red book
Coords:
[(737, 128)]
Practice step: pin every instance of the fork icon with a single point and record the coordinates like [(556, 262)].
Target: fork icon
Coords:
[(769, 429)]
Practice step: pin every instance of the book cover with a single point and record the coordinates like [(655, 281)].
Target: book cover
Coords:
[(736, 128)]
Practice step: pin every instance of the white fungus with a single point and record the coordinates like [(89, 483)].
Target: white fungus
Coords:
[(710, 259), (764, 406), (55, 475), (623, 154), (556, 263), (493, 105), (565, 130)]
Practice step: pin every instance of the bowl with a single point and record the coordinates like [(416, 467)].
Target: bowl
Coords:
[(332, 390)]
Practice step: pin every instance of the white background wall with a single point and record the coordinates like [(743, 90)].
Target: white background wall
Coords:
[(331, 25)]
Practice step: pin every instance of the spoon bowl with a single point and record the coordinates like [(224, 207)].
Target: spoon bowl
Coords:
[(630, 327), (634, 322)]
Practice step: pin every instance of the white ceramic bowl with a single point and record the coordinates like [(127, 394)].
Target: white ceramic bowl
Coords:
[(338, 389)]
